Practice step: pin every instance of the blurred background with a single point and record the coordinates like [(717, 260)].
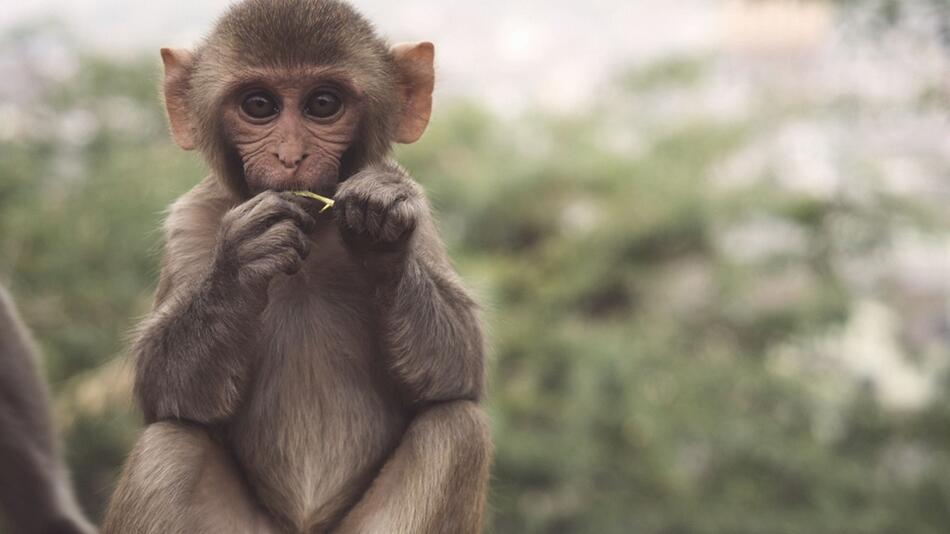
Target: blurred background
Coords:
[(711, 236)]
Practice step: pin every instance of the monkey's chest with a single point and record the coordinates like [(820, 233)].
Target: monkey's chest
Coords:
[(321, 415)]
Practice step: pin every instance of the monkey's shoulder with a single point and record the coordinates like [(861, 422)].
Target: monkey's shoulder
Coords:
[(192, 221), (205, 203)]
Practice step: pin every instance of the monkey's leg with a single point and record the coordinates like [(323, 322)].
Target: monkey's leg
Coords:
[(435, 481), (178, 481)]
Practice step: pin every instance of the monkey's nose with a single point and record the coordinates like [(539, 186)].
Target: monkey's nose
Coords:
[(290, 160)]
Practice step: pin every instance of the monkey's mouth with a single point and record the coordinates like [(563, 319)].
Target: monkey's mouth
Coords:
[(323, 185)]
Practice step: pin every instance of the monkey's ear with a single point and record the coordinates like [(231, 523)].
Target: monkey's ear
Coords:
[(178, 63), (414, 63)]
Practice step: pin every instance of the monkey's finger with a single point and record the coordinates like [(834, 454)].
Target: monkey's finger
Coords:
[(284, 236), (278, 238), (375, 217), (265, 209), (236, 218), (340, 209), (251, 203), (283, 209), (275, 208), (286, 262), (355, 215), (304, 220), (314, 208), (400, 221)]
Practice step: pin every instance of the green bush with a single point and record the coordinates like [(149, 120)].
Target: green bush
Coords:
[(639, 368)]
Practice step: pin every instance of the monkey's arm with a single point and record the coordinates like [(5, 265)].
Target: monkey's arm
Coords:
[(436, 479), (193, 352), (430, 326), (429, 323), (188, 359)]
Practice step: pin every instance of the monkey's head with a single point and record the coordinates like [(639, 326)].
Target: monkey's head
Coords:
[(296, 94)]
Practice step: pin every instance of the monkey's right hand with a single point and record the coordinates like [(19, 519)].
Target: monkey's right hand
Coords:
[(261, 238)]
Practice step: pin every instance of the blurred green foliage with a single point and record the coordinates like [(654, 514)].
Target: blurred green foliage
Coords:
[(639, 373)]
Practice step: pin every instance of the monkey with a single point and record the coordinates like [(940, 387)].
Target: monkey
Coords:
[(303, 370), (35, 492)]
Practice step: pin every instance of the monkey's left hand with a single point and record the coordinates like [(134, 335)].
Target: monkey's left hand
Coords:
[(378, 210)]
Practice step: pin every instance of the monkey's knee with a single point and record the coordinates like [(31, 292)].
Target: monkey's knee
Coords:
[(156, 479), (454, 437), (453, 443), (458, 425), (178, 480)]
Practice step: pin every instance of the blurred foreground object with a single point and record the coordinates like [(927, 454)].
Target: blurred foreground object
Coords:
[(35, 494)]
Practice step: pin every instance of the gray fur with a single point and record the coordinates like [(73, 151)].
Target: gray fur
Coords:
[(287, 34), (327, 366)]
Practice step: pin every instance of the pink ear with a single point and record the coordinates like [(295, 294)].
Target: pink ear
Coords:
[(178, 63), (415, 66)]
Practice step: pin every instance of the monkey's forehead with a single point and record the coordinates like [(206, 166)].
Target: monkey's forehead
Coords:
[(293, 33), (300, 76)]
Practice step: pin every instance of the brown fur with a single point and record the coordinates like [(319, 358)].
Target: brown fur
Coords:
[(288, 34), (304, 372), (35, 495)]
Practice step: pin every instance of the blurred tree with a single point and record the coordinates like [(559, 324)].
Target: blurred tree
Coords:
[(663, 343)]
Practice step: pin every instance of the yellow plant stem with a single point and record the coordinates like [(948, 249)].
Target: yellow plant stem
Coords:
[(327, 202)]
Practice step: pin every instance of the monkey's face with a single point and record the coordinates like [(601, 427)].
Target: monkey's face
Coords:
[(297, 98), (292, 131)]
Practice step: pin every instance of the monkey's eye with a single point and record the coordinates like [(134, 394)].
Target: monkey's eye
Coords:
[(260, 105), (323, 104)]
